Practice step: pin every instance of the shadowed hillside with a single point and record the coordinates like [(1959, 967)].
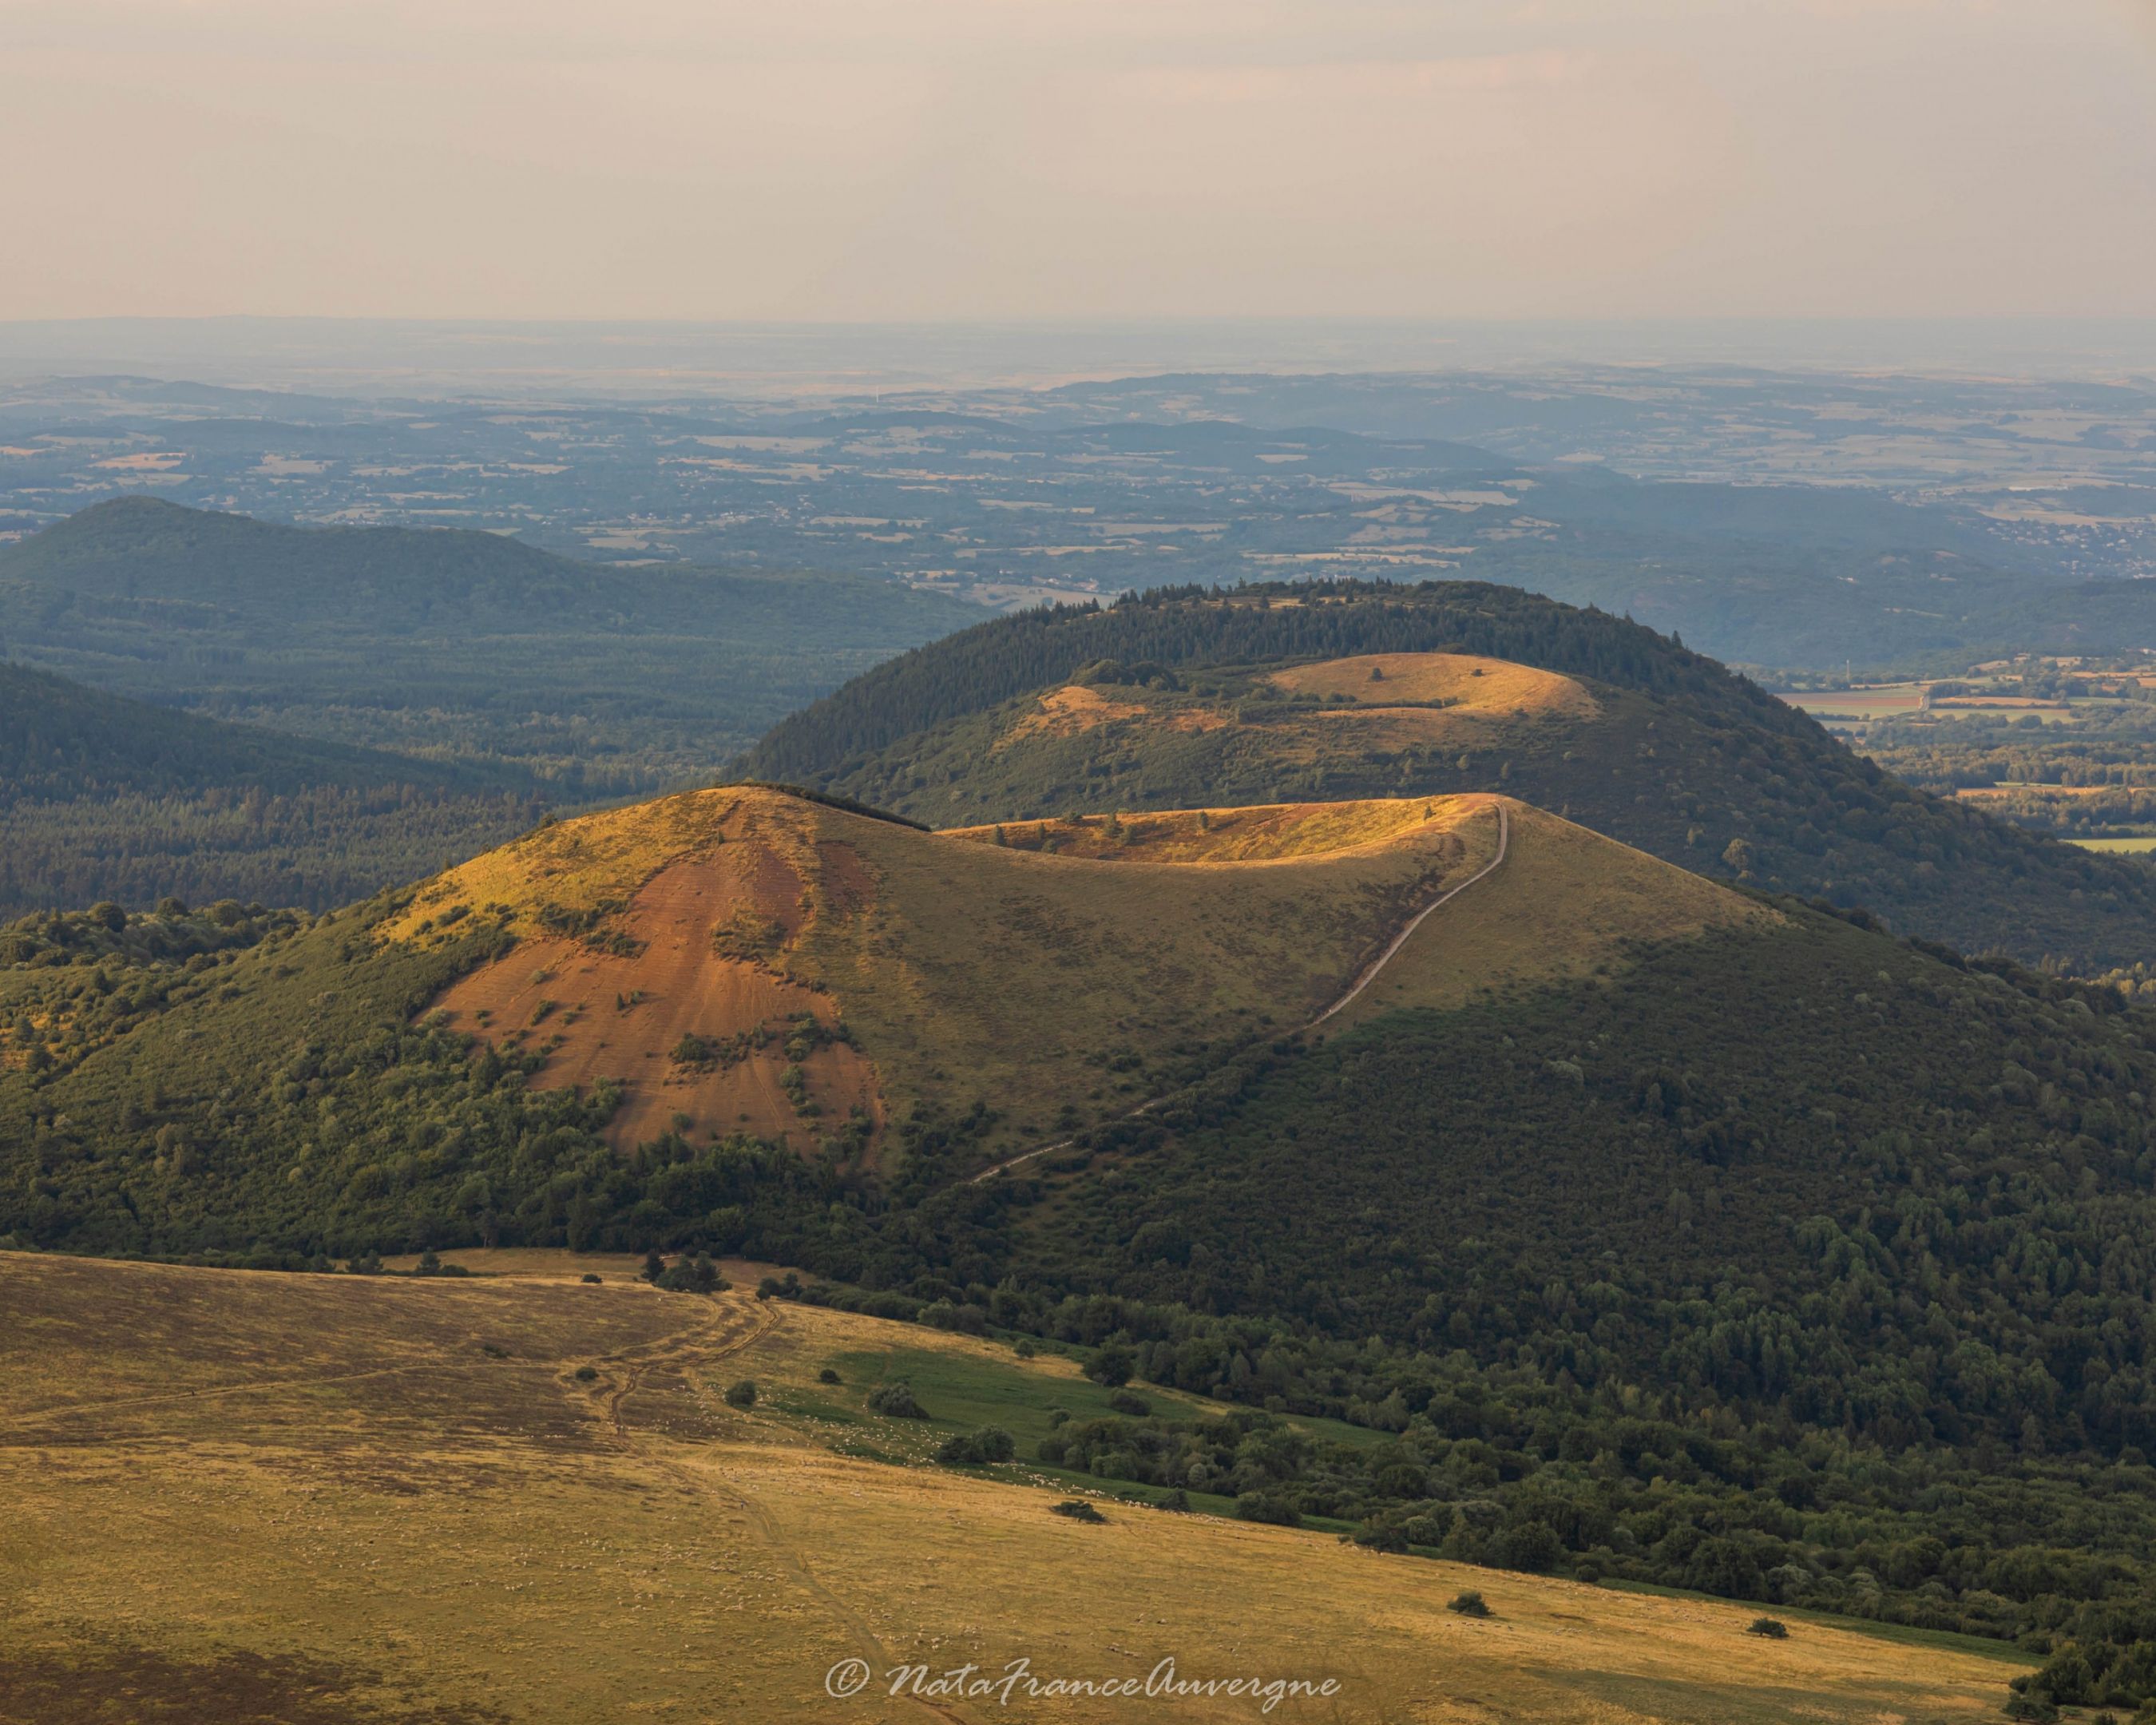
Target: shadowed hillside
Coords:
[(102, 798), (1359, 690), (603, 680)]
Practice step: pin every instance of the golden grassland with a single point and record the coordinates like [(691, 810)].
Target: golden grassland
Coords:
[(1566, 903), (1378, 701), (1264, 833), (1474, 684), (241, 1496)]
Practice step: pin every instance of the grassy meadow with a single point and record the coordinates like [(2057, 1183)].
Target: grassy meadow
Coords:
[(520, 1496)]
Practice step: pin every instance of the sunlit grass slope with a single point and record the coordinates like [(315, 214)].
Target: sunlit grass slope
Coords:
[(335, 1500), (1062, 974)]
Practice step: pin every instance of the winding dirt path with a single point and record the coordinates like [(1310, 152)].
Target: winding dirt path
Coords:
[(1370, 971), (1368, 976), (686, 1349)]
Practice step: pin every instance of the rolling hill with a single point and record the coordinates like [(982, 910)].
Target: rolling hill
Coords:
[(1663, 1231), (742, 959), (1360, 690), (102, 798), (868, 998), (602, 678)]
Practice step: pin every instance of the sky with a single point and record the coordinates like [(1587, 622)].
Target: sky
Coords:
[(945, 161)]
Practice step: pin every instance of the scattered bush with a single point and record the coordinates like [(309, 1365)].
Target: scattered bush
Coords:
[(1773, 1628), (1137, 1406), (742, 1394), (1077, 1509), (977, 1449), (895, 1401), (828, 1376), (586, 1374), (1469, 1604), (588, 1276), (690, 1275)]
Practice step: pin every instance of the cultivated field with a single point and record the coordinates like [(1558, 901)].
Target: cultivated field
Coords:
[(240, 1496)]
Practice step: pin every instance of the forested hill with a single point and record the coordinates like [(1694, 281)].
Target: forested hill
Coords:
[(605, 680), (980, 667), (59, 741), (1184, 705), (102, 798), (145, 553)]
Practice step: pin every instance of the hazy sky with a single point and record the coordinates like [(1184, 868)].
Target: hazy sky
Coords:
[(901, 159)]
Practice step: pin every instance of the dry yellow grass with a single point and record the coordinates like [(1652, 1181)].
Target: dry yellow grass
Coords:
[(1475, 683), (1566, 902), (1263, 833), (1443, 701), (318, 1500)]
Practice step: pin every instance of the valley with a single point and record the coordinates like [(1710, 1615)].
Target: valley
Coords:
[(1371, 1080)]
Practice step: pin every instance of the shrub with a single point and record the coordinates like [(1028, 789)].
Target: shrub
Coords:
[(895, 1400), (590, 1277), (1024, 1349), (1137, 1406), (1077, 1509), (742, 1394), (977, 1449), (828, 1375), (691, 1276), (1178, 1499), (1469, 1604), (586, 1374), (1773, 1628)]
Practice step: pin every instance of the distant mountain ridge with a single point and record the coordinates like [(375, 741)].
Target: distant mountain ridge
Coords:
[(602, 678), (382, 579)]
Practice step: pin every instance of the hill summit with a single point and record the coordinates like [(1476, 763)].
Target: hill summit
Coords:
[(1363, 690), (746, 960)]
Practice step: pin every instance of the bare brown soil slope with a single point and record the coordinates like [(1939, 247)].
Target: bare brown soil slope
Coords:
[(344, 1501), (638, 1012)]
